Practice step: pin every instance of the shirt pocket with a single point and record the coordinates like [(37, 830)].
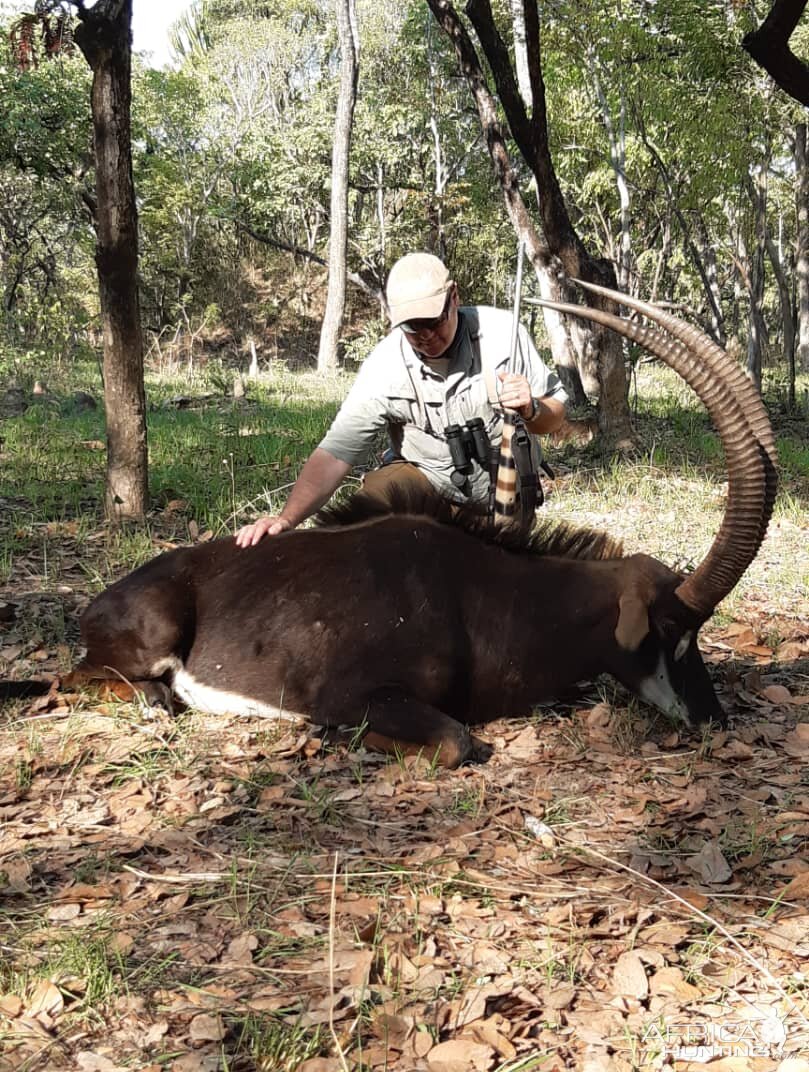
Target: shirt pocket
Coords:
[(402, 409), (472, 400)]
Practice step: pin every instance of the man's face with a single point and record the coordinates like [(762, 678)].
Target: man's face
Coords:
[(433, 342)]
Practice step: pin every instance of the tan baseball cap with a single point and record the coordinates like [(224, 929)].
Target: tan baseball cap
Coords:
[(417, 288)]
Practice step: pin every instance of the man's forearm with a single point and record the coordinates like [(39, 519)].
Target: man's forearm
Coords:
[(319, 479)]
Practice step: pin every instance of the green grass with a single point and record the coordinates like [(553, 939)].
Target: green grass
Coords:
[(211, 468), (228, 459), (274, 1045), (217, 459)]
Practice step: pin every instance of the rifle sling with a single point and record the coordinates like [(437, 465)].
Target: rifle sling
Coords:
[(524, 464)]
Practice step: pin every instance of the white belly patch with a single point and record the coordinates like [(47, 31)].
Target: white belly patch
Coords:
[(221, 702)]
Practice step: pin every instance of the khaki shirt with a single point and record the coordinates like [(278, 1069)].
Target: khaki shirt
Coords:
[(385, 392)]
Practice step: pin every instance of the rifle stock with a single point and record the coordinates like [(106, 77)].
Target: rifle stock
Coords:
[(515, 459)]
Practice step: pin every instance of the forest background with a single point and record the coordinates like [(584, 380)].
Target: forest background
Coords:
[(679, 160)]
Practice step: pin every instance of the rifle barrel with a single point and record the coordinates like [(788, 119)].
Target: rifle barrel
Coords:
[(515, 320)]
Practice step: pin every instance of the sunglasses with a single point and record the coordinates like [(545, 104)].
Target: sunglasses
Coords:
[(417, 327)]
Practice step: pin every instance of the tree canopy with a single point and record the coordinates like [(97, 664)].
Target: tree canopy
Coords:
[(677, 156)]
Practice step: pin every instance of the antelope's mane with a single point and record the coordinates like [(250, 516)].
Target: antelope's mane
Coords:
[(550, 538)]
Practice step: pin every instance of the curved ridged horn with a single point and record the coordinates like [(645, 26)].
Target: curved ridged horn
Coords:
[(696, 339), (746, 393), (750, 470)]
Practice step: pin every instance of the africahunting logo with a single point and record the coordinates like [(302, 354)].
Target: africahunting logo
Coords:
[(764, 1036)]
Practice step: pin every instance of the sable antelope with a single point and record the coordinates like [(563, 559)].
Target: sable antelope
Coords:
[(413, 625)]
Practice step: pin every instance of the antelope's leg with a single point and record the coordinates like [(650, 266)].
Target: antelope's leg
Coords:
[(396, 720)]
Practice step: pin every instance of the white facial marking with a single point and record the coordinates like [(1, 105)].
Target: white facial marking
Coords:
[(657, 689), (221, 702), (683, 645)]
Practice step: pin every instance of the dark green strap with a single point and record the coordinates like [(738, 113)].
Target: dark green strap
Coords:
[(527, 476)]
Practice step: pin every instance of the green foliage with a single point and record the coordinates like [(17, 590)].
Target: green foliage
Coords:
[(45, 244), (232, 158), (46, 114)]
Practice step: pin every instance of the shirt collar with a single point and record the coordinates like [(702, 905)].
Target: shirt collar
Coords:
[(459, 352)]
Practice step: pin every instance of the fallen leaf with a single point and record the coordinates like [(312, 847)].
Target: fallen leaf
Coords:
[(64, 912), (562, 997), (392, 1029), (18, 874), (46, 998), (710, 864), (629, 977), (10, 1005), (524, 746), (692, 802), (693, 897), (94, 1062), (196, 1062), (206, 1027), (790, 934), (460, 1055), (598, 1061), (240, 950), (777, 694), (347, 794), (671, 981), (796, 743), (121, 942), (797, 889), (473, 1005), (155, 1033), (485, 1031)]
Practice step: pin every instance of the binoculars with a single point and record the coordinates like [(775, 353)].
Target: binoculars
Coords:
[(467, 443)]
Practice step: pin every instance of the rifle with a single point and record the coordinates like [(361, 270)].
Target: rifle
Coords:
[(515, 458)]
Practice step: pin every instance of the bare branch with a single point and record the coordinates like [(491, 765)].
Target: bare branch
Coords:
[(769, 47), (447, 18), (297, 251)]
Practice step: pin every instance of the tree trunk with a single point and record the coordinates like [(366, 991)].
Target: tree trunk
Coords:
[(757, 328), (787, 315), (104, 37), (600, 354), (559, 330), (769, 47), (559, 338), (338, 239), (616, 136), (708, 254), (802, 265), (521, 50)]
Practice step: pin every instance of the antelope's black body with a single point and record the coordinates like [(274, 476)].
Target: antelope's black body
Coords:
[(415, 625)]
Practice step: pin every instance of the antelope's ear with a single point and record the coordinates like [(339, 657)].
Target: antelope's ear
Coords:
[(633, 621)]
